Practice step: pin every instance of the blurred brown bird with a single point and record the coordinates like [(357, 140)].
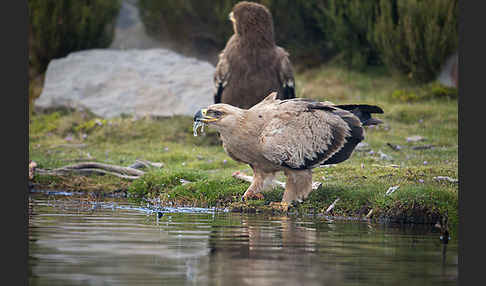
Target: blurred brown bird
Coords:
[(251, 65), (292, 135)]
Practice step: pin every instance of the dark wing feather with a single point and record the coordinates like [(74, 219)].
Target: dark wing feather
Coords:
[(286, 75), (356, 135), (363, 112), (221, 75)]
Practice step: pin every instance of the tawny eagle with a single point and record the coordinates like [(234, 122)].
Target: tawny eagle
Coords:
[(291, 135), (251, 65)]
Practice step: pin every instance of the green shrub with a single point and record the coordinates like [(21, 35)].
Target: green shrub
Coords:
[(299, 29), (405, 96), (45, 123), (347, 24), (425, 92), (415, 37), (90, 125), (411, 37), (437, 90), (58, 27)]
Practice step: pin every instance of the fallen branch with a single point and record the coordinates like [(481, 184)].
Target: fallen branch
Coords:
[(87, 171), (145, 164), (131, 172), (423, 147), (246, 178)]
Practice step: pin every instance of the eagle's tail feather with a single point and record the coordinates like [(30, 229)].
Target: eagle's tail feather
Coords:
[(363, 112)]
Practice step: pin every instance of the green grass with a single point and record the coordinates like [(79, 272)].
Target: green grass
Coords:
[(197, 171)]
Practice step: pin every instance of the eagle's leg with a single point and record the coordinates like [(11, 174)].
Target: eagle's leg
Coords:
[(261, 180), (298, 185)]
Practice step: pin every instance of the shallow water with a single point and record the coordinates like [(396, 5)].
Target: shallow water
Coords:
[(75, 240)]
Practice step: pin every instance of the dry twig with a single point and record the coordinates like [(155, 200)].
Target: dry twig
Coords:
[(131, 172)]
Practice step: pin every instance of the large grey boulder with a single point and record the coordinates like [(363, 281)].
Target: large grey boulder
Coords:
[(108, 82)]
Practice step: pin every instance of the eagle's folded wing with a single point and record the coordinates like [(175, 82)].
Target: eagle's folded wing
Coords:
[(303, 136)]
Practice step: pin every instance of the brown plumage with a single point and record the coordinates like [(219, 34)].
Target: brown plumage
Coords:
[(293, 136), (251, 65)]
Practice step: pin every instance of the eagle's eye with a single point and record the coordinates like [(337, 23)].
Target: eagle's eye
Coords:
[(214, 113)]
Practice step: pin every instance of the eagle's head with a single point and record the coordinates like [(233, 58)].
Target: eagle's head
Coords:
[(252, 22), (226, 118), (220, 116)]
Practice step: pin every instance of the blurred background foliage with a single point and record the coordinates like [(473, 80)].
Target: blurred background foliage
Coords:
[(415, 37), (58, 27), (410, 37)]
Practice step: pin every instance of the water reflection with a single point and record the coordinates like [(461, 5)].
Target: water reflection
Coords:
[(126, 245)]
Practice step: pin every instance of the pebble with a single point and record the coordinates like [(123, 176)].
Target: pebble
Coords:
[(415, 138)]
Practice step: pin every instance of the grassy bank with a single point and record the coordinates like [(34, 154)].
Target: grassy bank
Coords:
[(197, 171)]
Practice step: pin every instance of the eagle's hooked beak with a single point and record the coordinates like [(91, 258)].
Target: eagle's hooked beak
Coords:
[(201, 115)]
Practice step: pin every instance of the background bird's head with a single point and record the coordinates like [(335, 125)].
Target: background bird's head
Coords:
[(253, 22), (220, 116)]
